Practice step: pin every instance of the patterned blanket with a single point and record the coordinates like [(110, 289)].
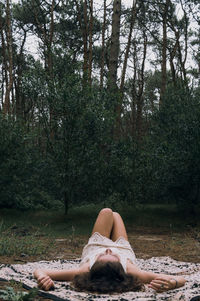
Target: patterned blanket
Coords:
[(63, 291)]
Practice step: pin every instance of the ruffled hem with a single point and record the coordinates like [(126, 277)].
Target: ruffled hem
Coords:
[(97, 238)]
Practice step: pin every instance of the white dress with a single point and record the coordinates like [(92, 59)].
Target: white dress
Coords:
[(98, 244)]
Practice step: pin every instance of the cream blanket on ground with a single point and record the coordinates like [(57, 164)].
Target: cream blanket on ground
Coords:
[(191, 271)]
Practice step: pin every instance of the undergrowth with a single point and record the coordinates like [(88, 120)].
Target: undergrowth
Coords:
[(17, 240), (9, 294)]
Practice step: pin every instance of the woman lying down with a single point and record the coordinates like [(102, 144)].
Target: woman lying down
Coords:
[(108, 263)]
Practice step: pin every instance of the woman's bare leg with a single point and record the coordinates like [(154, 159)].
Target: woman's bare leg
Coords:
[(104, 222), (118, 227)]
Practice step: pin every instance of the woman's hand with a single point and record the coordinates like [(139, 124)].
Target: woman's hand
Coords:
[(162, 284), (45, 283), (43, 280)]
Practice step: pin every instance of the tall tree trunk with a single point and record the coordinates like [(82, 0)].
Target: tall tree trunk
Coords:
[(134, 93), (53, 121), (90, 42), (103, 45), (198, 58), (120, 97), (132, 22), (2, 87), (140, 100), (18, 81), (113, 64), (50, 40), (83, 23), (119, 105), (164, 52), (181, 57), (114, 47), (172, 53), (85, 42), (4, 58), (46, 36), (6, 107)]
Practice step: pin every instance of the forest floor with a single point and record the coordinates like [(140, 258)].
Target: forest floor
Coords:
[(180, 244), (147, 243)]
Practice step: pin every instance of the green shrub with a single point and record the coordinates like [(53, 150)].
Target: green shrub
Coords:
[(9, 294)]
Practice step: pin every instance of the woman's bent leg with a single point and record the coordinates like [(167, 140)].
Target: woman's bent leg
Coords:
[(104, 222), (118, 227)]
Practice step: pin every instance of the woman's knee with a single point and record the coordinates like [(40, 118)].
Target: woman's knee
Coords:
[(117, 217), (116, 214), (106, 211), (104, 222)]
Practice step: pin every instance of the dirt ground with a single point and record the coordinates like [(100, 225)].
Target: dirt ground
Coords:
[(184, 246)]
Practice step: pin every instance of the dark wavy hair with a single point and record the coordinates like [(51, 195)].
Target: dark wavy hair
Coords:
[(106, 277)]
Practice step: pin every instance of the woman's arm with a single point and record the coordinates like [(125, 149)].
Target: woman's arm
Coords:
[(62, 275), (164, 282), (45, 277), (159, 282)]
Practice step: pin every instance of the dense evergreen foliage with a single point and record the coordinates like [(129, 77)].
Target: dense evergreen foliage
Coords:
[(73, 132)]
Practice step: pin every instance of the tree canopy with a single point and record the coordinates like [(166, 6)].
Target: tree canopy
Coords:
[(102, 106)]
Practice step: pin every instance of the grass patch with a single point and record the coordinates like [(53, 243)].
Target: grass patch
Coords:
[(154, 216), (80, 220), (33, 232), (22, 246), (16, 240)]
